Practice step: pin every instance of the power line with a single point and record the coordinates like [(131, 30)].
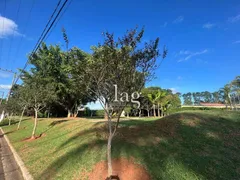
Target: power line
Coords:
[(41, 39), (59, 19), (10, 48), (1, 42), (59, 2), (6, 70), (26, 25)]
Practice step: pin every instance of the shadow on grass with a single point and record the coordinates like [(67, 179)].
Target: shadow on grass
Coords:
[(5, 122), (180, 146), (52, 124)]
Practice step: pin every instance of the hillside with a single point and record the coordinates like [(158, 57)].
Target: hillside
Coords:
[(186, 145)]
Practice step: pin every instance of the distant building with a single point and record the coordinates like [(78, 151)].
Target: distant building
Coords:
[(212, 104)]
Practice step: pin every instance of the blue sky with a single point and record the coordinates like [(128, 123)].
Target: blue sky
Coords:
[(202, 37)]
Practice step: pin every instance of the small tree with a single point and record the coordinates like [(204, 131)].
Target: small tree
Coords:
[(23, 100), (39, 95), (124, 65)]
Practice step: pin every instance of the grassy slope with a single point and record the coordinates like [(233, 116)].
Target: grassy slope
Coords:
[(188, 145)]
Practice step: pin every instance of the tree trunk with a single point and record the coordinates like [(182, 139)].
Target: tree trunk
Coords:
[(69, 113), (75, 114), (2, 116), (140, 112), (105, 113), (35, 124), (230, 101), (9, 119), (109, 144), (234, 103), (148, 113), (158, 111), (154, 111), (161, 113), (109, 155), (21, 118)]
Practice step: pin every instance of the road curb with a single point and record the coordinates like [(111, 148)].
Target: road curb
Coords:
[(24, 171)]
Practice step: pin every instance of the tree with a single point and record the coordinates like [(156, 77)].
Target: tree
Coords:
[(153, 96), (216, 97), (187, 98), (225, 91), (144, 101), (22, 99), (236, 88), (127, 109), (54, 67), (207, 96), (160, 100), (11, 108), (39, 95), (120, 63)]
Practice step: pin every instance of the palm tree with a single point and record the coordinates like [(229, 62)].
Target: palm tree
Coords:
[(161, 95), (153, 98), (226, 90), (154, 95), (236, 87)]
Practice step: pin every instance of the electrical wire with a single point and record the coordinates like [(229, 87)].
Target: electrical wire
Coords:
[(41, 40), (1, 40), (26, 25), (50, 19), (59, 19), (10, 48)]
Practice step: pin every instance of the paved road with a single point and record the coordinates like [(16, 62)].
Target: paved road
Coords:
[(9, 169)]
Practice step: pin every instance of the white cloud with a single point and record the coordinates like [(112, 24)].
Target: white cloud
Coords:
[(5, 86), (234, 19), (190, 54), (184, 52), (178, 20), (236, 42), (209, 25), (174, 90), (8, 28)]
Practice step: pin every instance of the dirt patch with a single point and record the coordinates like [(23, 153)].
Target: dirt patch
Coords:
[(35, 138), (122, 168)]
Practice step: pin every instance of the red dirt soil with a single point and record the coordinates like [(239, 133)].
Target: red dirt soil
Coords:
[(123, 168), (35, 138)]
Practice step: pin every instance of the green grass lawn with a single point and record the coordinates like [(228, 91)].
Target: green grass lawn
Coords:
[(187, 145)]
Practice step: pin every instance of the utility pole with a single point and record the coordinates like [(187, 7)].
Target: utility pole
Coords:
[(9, 93), (1, 97), (13, 81)]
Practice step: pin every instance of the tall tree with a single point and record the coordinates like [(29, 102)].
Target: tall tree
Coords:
[(216, 97), (154, 95), (54, 67), (226, 93), (145, 101), (187, 98), (236, 89)]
